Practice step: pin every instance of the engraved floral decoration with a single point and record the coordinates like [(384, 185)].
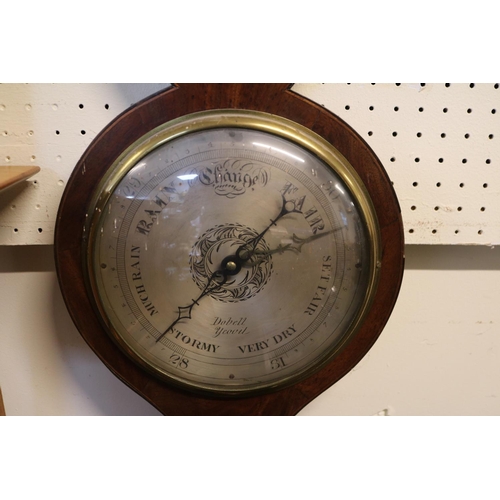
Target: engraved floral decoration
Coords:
[(222, 241)]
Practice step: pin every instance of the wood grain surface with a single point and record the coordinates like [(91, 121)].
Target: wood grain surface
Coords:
[(2, 406), (13, 174)]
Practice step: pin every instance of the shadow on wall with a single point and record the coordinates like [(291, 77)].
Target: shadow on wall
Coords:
[(131, 93), (25, 259), (452, 257), (108, 394), (101, 392)]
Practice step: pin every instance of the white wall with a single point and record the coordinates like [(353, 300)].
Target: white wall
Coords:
[(438, 355)]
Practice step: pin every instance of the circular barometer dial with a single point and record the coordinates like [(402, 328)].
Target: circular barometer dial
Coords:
[(230, 254)]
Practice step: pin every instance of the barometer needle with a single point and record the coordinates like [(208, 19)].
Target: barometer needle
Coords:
[(295, 246), (232, 265), (183, 312), (246, 251)]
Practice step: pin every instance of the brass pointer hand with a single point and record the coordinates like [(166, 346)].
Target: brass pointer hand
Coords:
[(295, 246), (217, 279), (245, 252)]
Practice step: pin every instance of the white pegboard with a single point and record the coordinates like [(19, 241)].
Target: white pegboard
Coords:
[(438, 142), (51, 125)]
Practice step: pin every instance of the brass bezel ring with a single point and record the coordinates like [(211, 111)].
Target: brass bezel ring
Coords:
[(247, 119)]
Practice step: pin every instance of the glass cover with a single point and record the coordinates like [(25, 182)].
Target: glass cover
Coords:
[(231, 259)]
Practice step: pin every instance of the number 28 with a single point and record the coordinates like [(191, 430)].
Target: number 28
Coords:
[(179, 361)]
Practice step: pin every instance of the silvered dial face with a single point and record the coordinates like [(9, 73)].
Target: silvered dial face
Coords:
[(231, 259)]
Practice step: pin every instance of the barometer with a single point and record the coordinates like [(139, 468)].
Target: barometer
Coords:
[(229, 249)]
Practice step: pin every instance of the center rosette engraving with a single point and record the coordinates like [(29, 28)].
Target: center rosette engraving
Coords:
[(221, 242)]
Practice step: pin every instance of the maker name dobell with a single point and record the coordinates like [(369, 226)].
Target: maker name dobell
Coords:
[(230, 326)]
